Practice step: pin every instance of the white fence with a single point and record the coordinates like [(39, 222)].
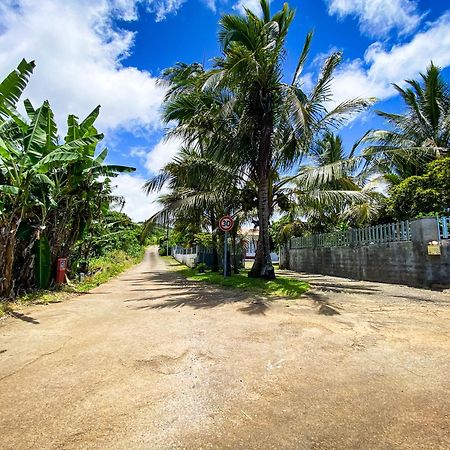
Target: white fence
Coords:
[(192, 255), (187, 256), (392, 232)]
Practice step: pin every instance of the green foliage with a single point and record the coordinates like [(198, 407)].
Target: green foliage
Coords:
[(106, 267), (155, 235), (418, 135), (201, 268), (280, 287), (422, 195), (42, 262), (114, 232), (162, 250), (103, 268), (284, 229), (58, 188), (203, 239)]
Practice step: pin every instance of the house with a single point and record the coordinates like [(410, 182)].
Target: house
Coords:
[(250, 238)]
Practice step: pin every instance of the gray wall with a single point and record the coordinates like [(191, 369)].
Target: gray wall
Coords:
[(396, 262)]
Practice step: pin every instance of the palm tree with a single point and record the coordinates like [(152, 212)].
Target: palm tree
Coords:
[(277, 120), (335, 188), (419, 135), (197, 180), (243, 116), (198, 186)]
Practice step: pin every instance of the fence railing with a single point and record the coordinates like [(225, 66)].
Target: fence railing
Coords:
[(392, 232), (178, 250), (444, 227), (184, 251)]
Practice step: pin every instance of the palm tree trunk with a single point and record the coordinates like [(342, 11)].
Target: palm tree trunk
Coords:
[(262, 267), (235, 252), (215, 260)]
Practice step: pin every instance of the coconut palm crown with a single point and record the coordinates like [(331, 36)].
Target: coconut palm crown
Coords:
[(419, 135)]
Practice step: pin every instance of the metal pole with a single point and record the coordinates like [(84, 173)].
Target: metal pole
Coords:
[(167, 241), (225, 251)]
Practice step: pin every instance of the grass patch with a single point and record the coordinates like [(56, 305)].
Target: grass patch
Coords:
[(280, 287), (107, 267), (40, 297), (104, 268)]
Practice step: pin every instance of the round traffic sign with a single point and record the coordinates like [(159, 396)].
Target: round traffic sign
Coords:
[(226, 223)]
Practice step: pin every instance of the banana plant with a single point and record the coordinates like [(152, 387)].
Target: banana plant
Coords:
[(54, 185)]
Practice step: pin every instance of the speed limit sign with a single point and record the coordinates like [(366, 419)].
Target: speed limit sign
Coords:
[(226, 223)]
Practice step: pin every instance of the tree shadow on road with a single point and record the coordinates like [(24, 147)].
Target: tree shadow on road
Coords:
[(322, 300), (177, 292)]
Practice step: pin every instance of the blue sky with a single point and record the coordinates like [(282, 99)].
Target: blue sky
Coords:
[(110, 52)]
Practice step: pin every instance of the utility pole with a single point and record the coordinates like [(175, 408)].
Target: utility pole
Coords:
[(167, 239)]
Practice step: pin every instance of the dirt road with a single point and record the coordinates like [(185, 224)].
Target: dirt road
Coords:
[(148, 361)]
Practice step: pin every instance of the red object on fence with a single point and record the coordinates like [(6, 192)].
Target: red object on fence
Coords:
[(61, 267)]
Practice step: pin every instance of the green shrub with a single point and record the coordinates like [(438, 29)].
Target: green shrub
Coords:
[(105, 267), (422, 195), (163, 250), (201, 267)]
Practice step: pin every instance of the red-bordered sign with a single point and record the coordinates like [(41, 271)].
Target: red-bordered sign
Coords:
[(226, 223)]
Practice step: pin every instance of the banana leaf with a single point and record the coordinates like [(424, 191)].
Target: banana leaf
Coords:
[(43, 262)]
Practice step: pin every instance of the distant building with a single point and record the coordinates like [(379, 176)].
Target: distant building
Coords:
[(250, 236)]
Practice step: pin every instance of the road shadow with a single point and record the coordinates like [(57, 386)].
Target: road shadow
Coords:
[(323, 287), (177, 292), (24, 317), (322, 300), (256, 308)]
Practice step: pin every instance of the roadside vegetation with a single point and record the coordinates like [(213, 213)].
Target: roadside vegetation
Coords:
[(102, 269), (56, 202), (109, 255), (282, 286), (261, 147)]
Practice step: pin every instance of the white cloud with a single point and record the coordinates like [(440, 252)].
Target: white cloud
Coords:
[(138, 151), (162, 8), (211, 4), (161, 154), (252, 5), (378, 17), (78, 56), (306, 82), (138, 205), (372, 77)]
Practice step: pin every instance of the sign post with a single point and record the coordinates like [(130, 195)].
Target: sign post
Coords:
[(226, 224), (225, 255)]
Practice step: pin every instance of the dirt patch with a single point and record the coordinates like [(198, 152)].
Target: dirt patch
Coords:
[(149, 360)]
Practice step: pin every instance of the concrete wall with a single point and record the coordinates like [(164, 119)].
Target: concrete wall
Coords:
[(396, 262)]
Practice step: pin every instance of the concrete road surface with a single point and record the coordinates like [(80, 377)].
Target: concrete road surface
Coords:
[(149, 361)]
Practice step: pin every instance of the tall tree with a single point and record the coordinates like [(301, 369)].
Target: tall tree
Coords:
[(333, 189), (277, 119), (198, 181), (417, 136)]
